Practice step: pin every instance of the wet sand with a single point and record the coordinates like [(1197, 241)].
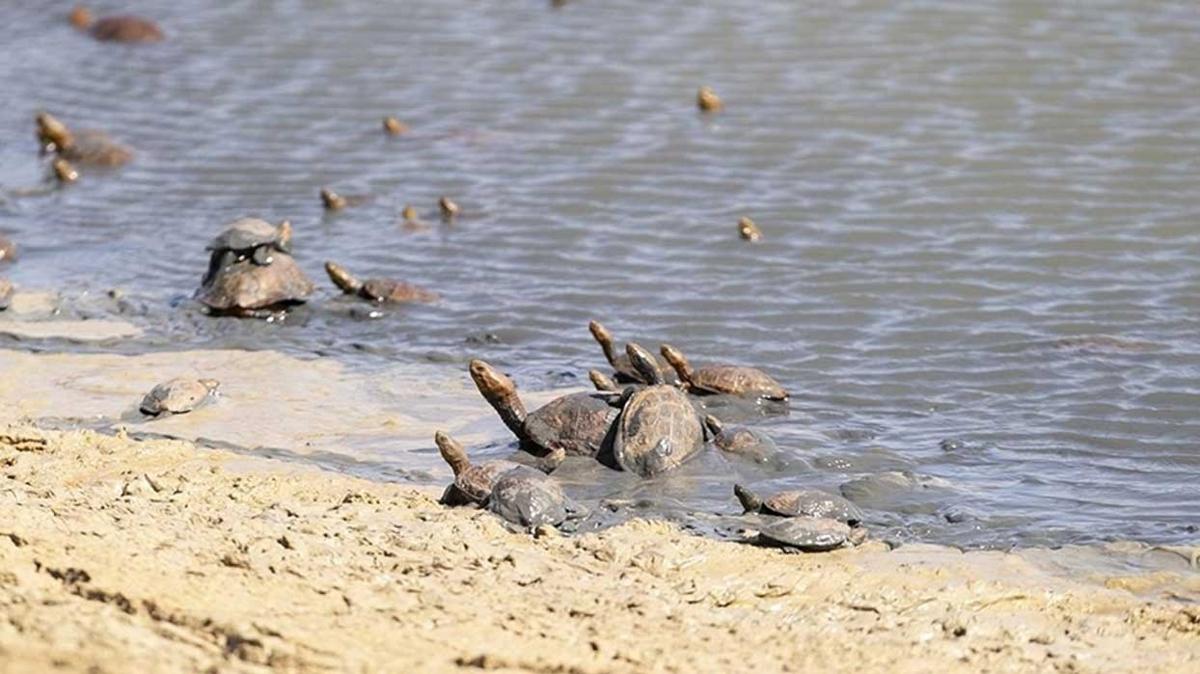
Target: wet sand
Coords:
[(156, 555)]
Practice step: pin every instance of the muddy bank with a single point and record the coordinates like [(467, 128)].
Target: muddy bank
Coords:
[(155, 555)]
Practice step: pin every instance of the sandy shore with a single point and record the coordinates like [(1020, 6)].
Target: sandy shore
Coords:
[(157, 556)]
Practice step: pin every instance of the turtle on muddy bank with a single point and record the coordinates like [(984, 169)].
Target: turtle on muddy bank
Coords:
[(179, 396), (809, 534), (736, 380), (377, 289)]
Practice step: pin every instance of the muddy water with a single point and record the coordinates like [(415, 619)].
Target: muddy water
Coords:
[(981, 222)]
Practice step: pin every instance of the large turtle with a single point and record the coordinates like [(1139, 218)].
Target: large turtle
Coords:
[(6, 293), (626, 373), (245, 288), (577, 423), (810, 534), (8, 250), (377, 289), (116, 28), (659, 428), (801, 503), (740, 440), (178, 396), (83, 147), (472, 481), (730, 379)]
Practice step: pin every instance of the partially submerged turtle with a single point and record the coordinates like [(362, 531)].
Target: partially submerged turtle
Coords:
[(116, 28), (801, 503), (449, 209), (729, 379), (377, 289), (248, 289), (807, 534), (659, 428), (577, 423), (519, 494), (178, 396), (472, 481), (83, 147), (740, 440), (6, 293), (394, 127), (748, 230), (708, 100), (625, 371), (8, 250)]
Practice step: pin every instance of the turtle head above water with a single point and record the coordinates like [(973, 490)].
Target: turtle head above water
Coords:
[(342, 278), (52, 134), (677, 360), (750, 501), (644, 362)]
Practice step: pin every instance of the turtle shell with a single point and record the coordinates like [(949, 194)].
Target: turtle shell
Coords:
[(126, 29), (390, 290), (737, 380), (746, 442), (528, 498), (657, 431), (95, 148), (6, 293), (813, 503), (808, 534), (474, 485), (246, 234), (578, 423), (177, 396), (245, 286)]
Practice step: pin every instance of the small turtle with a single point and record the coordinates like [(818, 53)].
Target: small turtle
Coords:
[(6, 293), (248, 289), (472, 481), (84, 147), (730, 379), (815, 534), (394, 127), (377, 289), (528, 498), (252, 238), (178, 396), (8, 250), (577, 423), (449, 209), (626, 373), (659, 428), (116, 28), (63, 171), (748, 230), (740, 440), (801, 503), (708, 100), (603, 382)]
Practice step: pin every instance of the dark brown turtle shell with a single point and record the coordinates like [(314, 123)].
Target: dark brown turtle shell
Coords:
[(528, 498), (740, 440), (801, 503), (126, 29), (810, 534), (729, 379), (391, 290), (245, 287), (95, 148), (473, 482), (659, 428), (578, 423)]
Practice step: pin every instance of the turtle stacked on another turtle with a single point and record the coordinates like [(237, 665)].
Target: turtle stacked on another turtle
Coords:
[(251, 271)]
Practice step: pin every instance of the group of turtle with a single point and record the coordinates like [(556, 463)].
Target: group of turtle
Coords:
[(647, 419)]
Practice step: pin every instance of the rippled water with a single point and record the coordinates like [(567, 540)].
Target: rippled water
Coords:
[(947, 193)]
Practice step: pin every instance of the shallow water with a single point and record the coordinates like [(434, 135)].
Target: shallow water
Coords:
[(947, 193)]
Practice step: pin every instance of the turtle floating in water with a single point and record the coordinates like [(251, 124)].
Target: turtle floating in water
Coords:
[(6, 293), (178, 396), (801, 503), (518, 494), (332, 201), (84, 147), (625, 372), (729, 379), (377, 289), (708, 100), (748, 230), (810, 534), (8, 250), (116, 28), (659, 428), (740, 440), (251, 271), (577, 423)]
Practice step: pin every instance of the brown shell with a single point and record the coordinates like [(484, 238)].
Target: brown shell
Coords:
[(476, 482), (658, 430), (745, 442), (95, 148), (390, 290), (245, 285), (737, 380), (578, 423), (6, 293), (178, 396), (126, 29), (810, 534), (813, 503)]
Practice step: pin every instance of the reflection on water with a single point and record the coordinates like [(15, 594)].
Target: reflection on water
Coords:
[(955, 199)]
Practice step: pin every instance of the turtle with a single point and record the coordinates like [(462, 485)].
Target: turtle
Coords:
[(394, 127), (801, 503), (377, 289), (6, 293), (708, 100), (116, 28), (449, 209), (472, 481), (248, 289), (730, 379), (528, 498), (658, 428), (810, 534), (8, 250), (252, 238), (748, 230), (64, 172), (83, 147), (625, 372), (740, 440), (577, 423), (178, 396)]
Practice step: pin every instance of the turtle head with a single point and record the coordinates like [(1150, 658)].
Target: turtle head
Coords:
[(393, 126), (342, 278), (501, 394), (748, 230), (332, 200), (64, 171), (452, 452), (52, 134), (602, 382), (678, 361), (708, 100), (713, 425), (605, 339), (552, 460), (284, 238), (409, 213), (643, 361), (449, 208), (750, 501), (81, 17)]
